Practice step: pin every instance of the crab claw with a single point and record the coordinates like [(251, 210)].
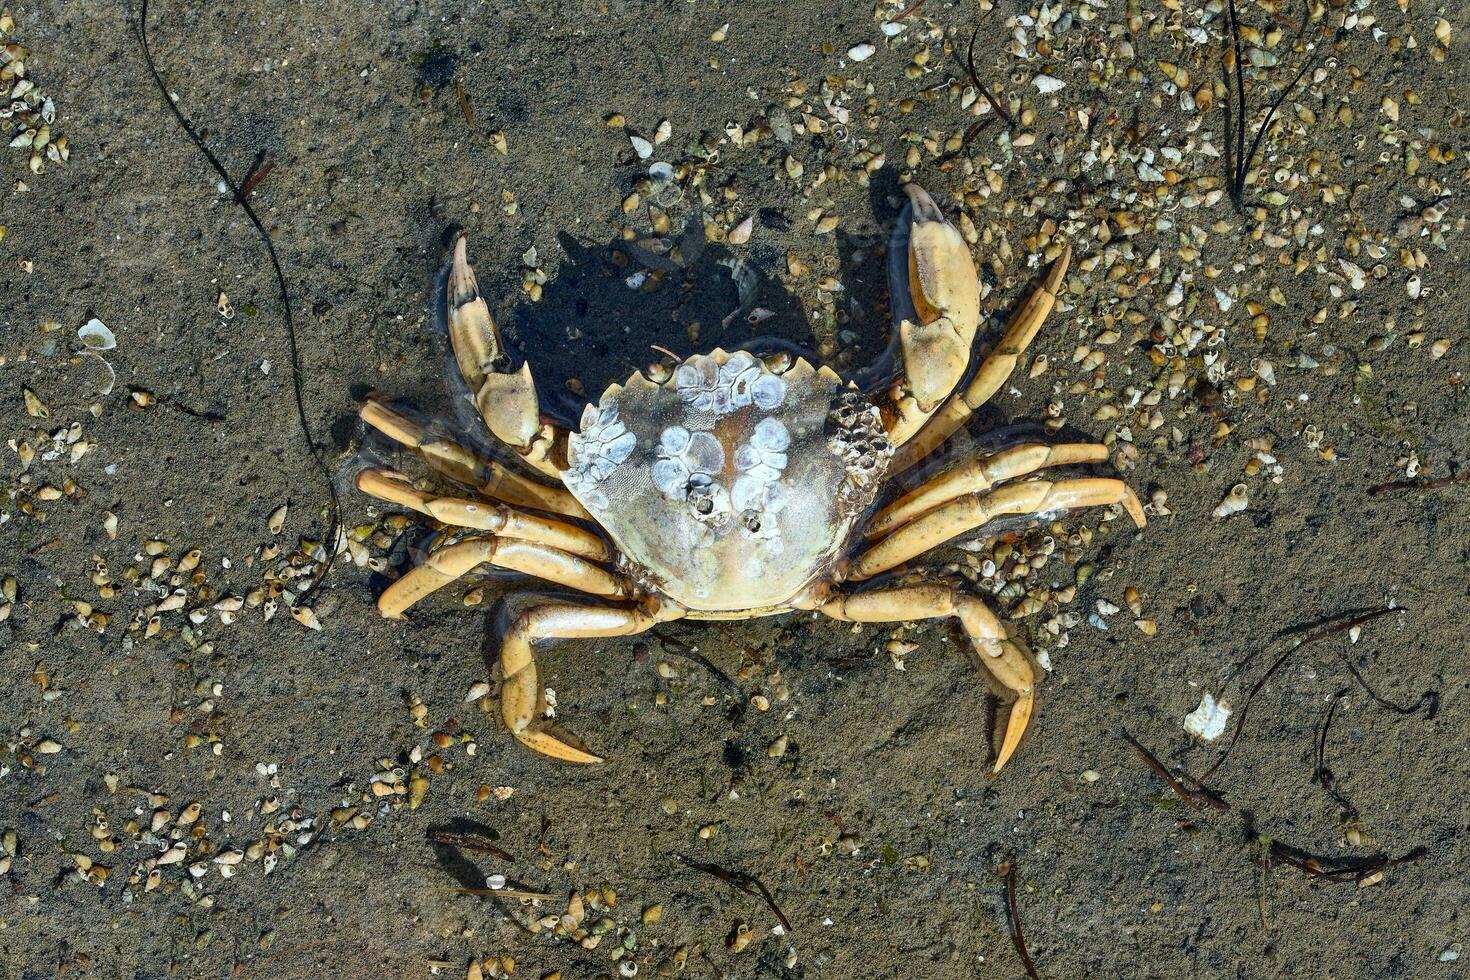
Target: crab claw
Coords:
[(506, 399), (936, 307)]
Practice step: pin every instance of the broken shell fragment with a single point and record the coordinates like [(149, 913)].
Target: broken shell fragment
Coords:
[(1207, 722), (95, 335)]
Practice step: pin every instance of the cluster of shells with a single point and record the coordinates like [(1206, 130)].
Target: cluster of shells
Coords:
[(1036, 575), (170, 588), (26, 112), (157, 844)]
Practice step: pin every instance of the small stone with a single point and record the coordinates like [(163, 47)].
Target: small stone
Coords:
[(740, 234)]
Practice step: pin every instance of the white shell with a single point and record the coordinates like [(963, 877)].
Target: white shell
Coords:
[(695, 479), (1207, 722), (95, 334)]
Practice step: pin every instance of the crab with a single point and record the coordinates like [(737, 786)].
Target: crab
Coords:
[(733, 486)]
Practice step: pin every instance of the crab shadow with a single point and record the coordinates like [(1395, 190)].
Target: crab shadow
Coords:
[(613, 309)]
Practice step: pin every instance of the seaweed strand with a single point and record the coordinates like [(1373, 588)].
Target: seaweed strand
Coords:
[(240, 194), (1008, 869), (747, 883)]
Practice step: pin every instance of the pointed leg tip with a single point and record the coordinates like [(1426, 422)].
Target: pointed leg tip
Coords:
[(1058, 270), (549, 745), (924, 207), (1016, 724), (1134, 507), (463, 287)]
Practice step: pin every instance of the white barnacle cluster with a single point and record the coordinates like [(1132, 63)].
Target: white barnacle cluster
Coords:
[(690, 463), (757, 492), (687, 469), (722, 389), (603, 442)]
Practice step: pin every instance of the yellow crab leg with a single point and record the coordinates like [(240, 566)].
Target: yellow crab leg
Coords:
[(456, 560), (463, 466), (481, 515), (998, 654), (980, 473), (975, 509), (507, 400), (521, 692), (993, 371)]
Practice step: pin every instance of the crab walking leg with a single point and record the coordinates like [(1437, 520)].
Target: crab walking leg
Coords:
[(936, 297), (973, 510), (980, 473), (1000, 657), (480, 515), (456, 560), (507, 400), (463, 466), (993, 371), (520, 690)]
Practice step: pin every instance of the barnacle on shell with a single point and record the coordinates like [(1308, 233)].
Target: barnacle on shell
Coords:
[(683, 455), (758, 492), (740, 381), (855, 435), (603, 443)]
